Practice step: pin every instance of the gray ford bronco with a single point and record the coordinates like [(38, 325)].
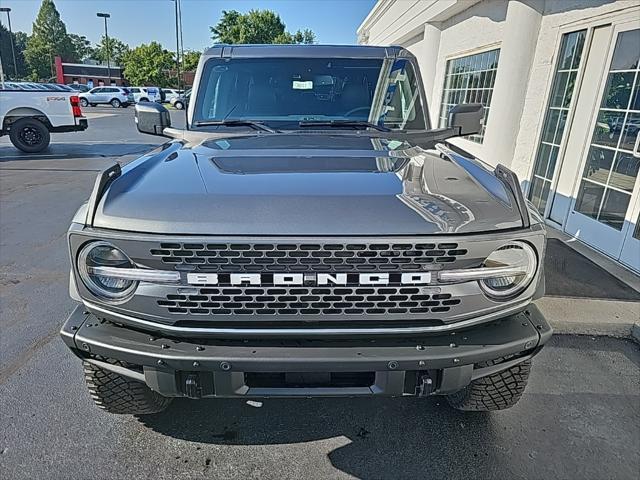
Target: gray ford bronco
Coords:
[(308, 234)]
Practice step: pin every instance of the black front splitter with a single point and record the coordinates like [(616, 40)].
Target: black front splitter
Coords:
[(162, 362)]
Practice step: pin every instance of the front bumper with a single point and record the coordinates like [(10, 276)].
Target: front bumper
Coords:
[(198, 368)]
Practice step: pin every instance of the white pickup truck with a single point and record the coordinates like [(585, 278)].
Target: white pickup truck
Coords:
[(29, 116)]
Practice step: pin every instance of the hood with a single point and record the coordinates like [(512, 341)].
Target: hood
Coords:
[(305, 184)]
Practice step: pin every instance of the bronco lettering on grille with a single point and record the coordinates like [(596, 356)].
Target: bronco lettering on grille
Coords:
[(422, 278)]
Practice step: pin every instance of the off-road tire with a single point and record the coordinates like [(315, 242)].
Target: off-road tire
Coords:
[(117, 394), (178, 105), (495, 392), (115, 103), (29, 135), (84, 103)]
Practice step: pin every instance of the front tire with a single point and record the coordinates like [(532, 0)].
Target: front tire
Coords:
[(84, 103), (29, 135), (499, 391), (115, 103), (117, 394), (178, 105)]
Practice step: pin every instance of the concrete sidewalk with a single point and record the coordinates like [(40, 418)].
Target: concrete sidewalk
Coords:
[(592, 316)]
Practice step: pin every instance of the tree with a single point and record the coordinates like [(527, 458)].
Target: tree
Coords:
[(148, 65), (81, 47), (48, 39), (116, 49), (306, 36), (257, 26), (190, 60), (19, 44)]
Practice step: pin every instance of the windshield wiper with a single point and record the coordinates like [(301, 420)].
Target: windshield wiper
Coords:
[(236, 123), (342, 123)]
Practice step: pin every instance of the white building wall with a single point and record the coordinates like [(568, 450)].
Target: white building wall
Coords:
[(559, 17), (478, 28), (469, 26)]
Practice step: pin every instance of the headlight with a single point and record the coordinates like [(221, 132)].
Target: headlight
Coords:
[(93, 259), (515, 266)]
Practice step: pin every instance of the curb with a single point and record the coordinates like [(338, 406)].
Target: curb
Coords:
[(617, 330), (595, 317)]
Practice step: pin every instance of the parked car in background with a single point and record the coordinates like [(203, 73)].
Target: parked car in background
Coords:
[(171, 93), (79, 87), (115, 96), (58, 86), (33, 86), (146, 94), (181, 101), (30, 112)]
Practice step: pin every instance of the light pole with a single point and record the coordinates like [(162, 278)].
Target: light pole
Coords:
[(177, 47), (108, 45), (13, 51)]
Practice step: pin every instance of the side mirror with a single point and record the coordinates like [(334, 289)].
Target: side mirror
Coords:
[(467, 117), (152, 118)]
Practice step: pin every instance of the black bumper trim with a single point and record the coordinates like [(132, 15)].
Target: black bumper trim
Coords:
[(455, 354)]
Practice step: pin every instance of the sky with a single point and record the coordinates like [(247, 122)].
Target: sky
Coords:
[(142, 21)]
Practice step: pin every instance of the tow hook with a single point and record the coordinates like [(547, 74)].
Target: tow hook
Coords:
[(425, 386), (191, 387)]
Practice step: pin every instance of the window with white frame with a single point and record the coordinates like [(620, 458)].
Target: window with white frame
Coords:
[(469, 79), (555, 119)]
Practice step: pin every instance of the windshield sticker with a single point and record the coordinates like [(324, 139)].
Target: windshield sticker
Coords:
[(300, 85)]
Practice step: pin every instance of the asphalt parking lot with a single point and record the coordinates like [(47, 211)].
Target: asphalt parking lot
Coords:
[(579, 418)]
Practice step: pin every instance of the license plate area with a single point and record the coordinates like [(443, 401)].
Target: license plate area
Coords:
[(309, 379)]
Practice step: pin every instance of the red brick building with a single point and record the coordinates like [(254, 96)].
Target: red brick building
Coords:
[(86, 74)]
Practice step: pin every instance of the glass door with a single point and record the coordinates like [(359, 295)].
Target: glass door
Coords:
[(630, 254), (602, 212)]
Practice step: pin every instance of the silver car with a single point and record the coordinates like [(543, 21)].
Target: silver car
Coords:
[(115, 96)]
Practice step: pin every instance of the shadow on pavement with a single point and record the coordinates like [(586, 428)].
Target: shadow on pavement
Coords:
[(383, 436), (70, 151), (568, 273)]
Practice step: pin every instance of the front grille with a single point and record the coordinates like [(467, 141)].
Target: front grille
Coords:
[(260, 301), (295, 257)]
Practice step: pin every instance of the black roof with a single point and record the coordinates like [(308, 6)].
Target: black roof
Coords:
[(305, 51)]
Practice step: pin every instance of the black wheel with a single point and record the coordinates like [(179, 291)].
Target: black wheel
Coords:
[(495, 392), (143, 100), (29, 135), (115, 103), (84, 103), (117, 394), (178, 105)]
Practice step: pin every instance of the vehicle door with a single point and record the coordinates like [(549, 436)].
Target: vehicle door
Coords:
[(93, 95), (135, 91), (110, 93), (153, 94)]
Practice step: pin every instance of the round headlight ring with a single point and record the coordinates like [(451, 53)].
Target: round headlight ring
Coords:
[(105, 254), (515, 253)]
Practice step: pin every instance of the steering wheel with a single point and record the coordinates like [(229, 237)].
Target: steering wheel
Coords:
[(354, 110)]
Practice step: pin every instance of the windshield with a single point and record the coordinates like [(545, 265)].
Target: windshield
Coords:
[(292, 90)]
